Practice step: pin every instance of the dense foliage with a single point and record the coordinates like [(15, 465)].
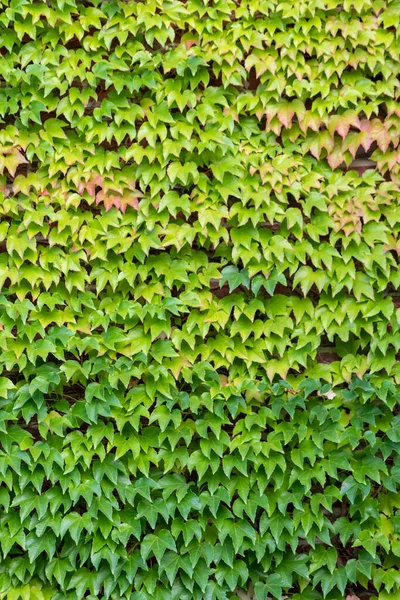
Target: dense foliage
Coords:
[(200, 322)]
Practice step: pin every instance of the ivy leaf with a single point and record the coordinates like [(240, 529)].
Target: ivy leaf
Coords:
[(5, 385), (272, 587), (234, 277), (157, 544)]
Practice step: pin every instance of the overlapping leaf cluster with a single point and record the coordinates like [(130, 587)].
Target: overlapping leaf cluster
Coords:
[(200, 299)]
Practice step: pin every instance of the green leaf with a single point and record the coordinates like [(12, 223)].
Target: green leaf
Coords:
[(234, 277), (5, 385), (272, 587), (157, 544)]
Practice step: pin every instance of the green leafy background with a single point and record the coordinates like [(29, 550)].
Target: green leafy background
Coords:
[(200, 322)]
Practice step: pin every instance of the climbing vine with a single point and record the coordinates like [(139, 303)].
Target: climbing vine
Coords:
[(199, 299)]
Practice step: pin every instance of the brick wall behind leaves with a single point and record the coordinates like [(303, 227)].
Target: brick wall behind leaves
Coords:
[(200, 296)]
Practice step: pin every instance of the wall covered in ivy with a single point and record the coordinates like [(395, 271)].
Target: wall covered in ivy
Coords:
[(199, 303)]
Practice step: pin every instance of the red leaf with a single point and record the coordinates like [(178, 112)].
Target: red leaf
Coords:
[(285, 115), (380, 134), (335, 158)]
